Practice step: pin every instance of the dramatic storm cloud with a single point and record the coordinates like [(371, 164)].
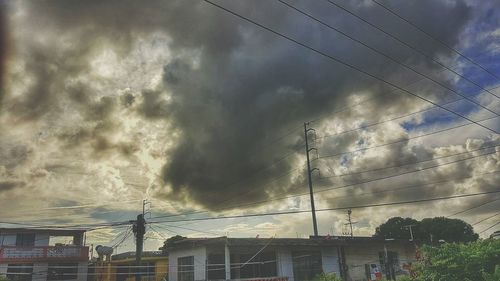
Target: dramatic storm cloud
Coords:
[(189, 106)]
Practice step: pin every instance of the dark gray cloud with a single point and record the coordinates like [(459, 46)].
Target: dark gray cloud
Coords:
[(3, 48), (8, 185), (231, 88)]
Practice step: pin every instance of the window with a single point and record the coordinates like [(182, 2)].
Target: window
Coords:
[(20, 272), (262, 265), (216, 268), (306, 265), (62, 271), (185, 269), (25, 239)]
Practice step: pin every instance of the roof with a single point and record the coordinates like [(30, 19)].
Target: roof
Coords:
[(53, 231), (312, 241)]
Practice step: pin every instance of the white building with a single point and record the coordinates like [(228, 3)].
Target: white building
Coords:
[(43, 254), (292, 259)]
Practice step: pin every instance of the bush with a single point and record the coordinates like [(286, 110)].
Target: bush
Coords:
[(327, 277), (476, 261)]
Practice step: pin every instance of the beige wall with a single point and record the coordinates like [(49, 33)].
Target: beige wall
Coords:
[(358, 255)]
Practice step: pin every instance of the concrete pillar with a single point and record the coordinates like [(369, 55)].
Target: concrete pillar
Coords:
[(227, 261)]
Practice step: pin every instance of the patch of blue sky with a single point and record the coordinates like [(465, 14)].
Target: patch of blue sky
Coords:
[(440, 117)]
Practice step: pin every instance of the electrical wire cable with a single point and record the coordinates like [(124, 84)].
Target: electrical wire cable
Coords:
[(336, 187), (412, 48), (434, 38), (472, 208), (408, 163), (393, 59), (402, 140), (485, 219), (336, 208), (335, 59), (488, 228)]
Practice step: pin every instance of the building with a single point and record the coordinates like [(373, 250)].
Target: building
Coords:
[(122, 267), (43, 254), (292, 259)]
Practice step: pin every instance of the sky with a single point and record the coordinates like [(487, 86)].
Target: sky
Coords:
[(104, 104)]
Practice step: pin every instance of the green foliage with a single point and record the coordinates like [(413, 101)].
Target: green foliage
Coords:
[(475, 261), (449, 230), (3, 278), (327, 277), (169, 242), (394, 228), (439, 228)]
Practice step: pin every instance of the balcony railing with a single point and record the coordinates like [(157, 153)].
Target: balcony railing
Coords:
[(43, 253)]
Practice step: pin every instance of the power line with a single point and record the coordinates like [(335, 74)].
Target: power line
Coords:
[(339, 187), (411, 47), (434, 38), (343, 62), (417, 185), (485, 219), (402, 140), (385, 121), (362, 182), (404, 173), (406, 164), (334, 209), (191, 229), (389, 57), (472, 208), (488, 228)]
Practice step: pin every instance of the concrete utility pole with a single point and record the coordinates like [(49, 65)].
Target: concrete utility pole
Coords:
[(139, 229), (309, 171), (411, 231)]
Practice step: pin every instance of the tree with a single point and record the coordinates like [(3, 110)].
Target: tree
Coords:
[(449, 230), (170, 241), (429, 230), (475, 261), (394, 228)]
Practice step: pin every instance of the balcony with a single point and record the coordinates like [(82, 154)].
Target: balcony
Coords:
[(43, 253)]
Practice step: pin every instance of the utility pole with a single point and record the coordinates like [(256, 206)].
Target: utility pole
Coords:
[(411, 231), (309, 171), (139, 229), (349, 212), (349, 231)]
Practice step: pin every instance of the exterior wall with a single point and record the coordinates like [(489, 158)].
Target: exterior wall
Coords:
[(330, 260), (161, 269), (200, 257), (358, 255), (285, 263)]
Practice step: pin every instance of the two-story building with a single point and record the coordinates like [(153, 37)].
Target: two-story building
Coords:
[(292, 259), (43, 254)]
